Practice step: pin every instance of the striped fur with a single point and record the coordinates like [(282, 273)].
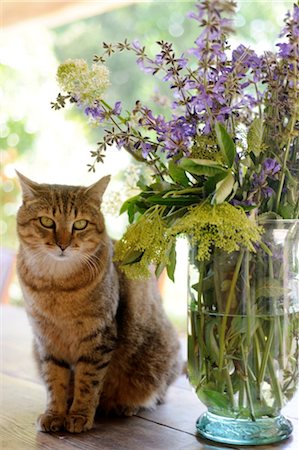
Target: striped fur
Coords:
[(100, 340)]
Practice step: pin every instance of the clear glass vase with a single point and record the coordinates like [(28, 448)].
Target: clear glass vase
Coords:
[(243, 337)]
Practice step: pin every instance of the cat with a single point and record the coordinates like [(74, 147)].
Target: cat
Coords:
[(101, 340)]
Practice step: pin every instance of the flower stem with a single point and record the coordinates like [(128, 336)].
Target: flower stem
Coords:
[(230, 389), (265, 357), (247, 384), (227, 309), (267, 361)]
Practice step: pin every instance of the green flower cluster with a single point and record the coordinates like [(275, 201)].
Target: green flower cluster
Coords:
[(145, 242), (75, 77), (223, 226), (150, 239)]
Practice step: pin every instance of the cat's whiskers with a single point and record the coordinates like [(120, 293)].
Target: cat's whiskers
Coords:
[(46, 263), (36, 255), (91, 265), (98, 262)]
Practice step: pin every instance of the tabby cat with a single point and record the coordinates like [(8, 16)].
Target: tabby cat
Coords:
[(100, 340)]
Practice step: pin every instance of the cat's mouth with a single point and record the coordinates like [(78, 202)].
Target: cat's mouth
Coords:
[(61, 256)]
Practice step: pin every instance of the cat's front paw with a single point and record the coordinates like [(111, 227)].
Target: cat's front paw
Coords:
[(48, 422), (76, 423)]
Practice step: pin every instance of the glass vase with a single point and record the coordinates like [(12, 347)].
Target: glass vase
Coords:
[(243, 337)]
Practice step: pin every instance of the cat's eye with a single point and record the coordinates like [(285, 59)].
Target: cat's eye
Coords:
[(80, 224), (47, 222)]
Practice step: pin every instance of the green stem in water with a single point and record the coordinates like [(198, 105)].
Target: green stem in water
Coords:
[(241, 394), (257, 365), (230, 389), (266, 352), (200, 312), (201, 268), (248, 303), (267, 361), (217, 281), (247, 384), (228, 308)]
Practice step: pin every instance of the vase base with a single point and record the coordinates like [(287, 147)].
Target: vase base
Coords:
[(243, 431)]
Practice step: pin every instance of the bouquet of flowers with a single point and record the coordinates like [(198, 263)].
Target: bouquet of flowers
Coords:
[(225, 153), (224, 160)]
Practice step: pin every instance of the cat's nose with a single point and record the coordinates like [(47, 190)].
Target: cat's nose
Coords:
[(62, 246)]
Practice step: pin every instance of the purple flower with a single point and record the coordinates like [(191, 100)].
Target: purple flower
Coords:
[(146, 149), (267, 191), (117, 108), (285, 50), (96, 112), (175, 136), (120, 143), (136, 45), (146, 64), (244, 203), (245, 62), (271, 167), (260, 188)]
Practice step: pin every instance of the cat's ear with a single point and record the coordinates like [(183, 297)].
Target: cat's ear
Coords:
[(30, 188), (97, 189)]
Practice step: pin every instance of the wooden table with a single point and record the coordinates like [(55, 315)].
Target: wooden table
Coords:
[(170, 427)]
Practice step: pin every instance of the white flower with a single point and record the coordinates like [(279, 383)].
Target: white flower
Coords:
[(84, 84)]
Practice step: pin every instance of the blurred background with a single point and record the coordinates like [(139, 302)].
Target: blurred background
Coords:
[(53, 146)]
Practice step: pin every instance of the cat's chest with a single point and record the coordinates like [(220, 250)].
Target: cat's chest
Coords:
[(61, 306), (64, 340), (61, 331), (61, 321)]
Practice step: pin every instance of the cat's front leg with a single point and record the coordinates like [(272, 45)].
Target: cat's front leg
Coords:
[(56, 374), (89, 379)]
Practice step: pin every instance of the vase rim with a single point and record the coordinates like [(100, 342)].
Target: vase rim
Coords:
[(278, 221)]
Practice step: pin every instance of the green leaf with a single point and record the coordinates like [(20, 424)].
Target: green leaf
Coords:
[(132, 257), (131, 212), (210, 184), (224, 188), (170, 201), (202, 167), (208, 283), (160, 186), (210, 340), (125, 206), (172, 263), (212, 398), (141, 184), (141, 206), (178, 174), (286, 211), (226, 144), (255, 137), (159, 269)]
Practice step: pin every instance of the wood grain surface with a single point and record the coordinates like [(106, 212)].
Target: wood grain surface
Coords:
[(170, 427)]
